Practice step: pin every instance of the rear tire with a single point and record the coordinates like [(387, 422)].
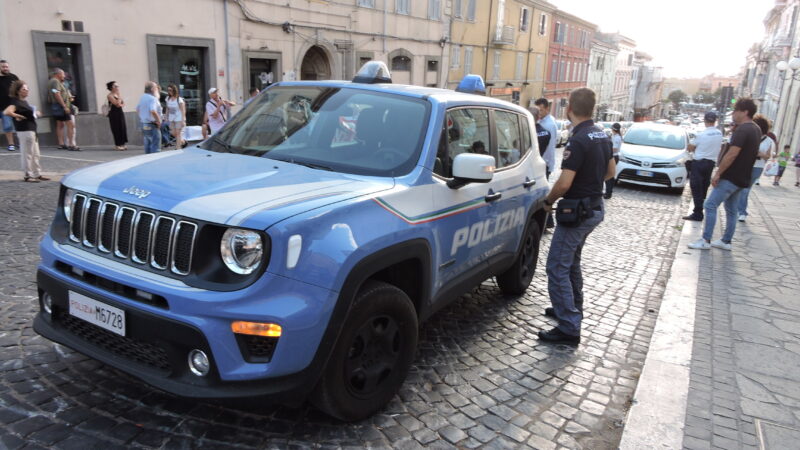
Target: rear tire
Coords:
[(372, 356), (517, 278)]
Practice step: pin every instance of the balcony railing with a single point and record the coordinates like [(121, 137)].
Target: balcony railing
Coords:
[(504, 36)]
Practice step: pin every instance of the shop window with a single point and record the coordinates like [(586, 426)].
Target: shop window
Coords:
[(402, 63), (183, 66), (68, 58)]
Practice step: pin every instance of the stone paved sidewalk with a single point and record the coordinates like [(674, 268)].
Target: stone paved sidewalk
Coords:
[(742, 378), (745, 381)]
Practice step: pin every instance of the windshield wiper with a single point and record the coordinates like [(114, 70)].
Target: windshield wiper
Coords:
[(217, 139), (311, 165)]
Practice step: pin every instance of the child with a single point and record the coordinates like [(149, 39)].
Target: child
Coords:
[(783, 159)]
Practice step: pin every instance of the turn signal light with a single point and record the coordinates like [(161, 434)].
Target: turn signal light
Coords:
[(256, 328)]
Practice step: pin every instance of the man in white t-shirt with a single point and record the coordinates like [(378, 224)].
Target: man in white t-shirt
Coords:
[(548, 123), (706, 148), (218, 110)]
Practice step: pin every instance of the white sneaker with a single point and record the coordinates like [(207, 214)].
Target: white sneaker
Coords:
[(700, 244), (719, 244), (742, 217)]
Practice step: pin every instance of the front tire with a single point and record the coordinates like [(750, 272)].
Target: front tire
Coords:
[(517, 278), (372, 355)]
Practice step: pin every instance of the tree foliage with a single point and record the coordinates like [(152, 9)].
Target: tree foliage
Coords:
[(676, 97)]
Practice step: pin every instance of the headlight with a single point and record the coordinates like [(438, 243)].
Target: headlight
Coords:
[(622, 158), (69, 195), (678, 163), (241, 250)]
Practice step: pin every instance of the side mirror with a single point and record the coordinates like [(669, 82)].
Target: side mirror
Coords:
[(471, 168)]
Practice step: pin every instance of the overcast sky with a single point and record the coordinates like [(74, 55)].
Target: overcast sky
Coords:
[(689, 38)]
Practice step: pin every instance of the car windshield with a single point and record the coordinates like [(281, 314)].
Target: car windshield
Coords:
[(656, 137), (340, 129)]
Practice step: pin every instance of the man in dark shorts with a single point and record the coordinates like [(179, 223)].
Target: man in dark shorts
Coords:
[(734, 174), (61, 108), (6, 78), (587, 162)]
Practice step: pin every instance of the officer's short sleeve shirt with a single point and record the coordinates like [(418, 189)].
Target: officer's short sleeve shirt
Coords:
[(588, 152)]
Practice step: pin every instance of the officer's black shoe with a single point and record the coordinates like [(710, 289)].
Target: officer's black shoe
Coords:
[(550, 312), (693, 217), (606, 196), (556, 336)]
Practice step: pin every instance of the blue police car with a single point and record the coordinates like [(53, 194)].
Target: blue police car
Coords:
[(293, 255)]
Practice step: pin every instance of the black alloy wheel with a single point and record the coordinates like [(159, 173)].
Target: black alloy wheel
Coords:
[(517, 278)]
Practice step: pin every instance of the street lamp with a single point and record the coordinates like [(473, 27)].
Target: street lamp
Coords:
[(793, 64)]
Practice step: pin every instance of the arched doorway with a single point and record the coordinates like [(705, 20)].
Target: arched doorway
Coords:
[(315, 65)]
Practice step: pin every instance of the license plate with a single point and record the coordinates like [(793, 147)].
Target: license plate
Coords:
[(644, 173), (97, 313)]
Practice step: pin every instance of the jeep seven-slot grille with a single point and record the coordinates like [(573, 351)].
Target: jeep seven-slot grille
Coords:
[(160, 241)]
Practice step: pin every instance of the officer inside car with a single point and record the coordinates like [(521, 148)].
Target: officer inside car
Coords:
[(586, 164)]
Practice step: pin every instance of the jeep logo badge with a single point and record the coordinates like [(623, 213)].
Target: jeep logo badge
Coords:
[(133, 190)]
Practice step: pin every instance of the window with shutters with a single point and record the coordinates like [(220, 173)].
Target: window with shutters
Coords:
[(471, 10), (402, 6), (543, 24), (434, 9), (524, 19), (467, 60), (520, 66)]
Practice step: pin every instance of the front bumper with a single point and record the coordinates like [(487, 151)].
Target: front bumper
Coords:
[(672, 177), (160, 335)]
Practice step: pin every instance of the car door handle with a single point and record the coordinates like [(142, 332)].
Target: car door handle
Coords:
[(492, 197), (529, 183)]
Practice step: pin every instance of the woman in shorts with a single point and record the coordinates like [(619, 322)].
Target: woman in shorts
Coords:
[(176, 114)]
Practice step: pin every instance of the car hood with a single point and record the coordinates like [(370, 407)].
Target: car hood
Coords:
[(648, 153), (222, 188)]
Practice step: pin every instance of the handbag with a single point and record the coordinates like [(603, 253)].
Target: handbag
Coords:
[(771, 168), (571, 212), (104, 110)]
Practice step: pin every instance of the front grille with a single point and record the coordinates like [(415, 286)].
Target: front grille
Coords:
[(160, 241), (654, 165), (658, 177), (134, 350)]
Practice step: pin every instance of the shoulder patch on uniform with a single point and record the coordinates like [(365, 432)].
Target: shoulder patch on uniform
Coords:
[(566, 154)]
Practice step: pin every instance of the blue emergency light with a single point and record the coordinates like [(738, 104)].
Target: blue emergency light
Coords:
[(472, 84)]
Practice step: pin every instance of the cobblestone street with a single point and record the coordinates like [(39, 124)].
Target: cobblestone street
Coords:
[(480, 379)]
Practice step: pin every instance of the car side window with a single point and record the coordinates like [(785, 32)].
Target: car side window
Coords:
[(466, 131), (526, 136), (509, 139)]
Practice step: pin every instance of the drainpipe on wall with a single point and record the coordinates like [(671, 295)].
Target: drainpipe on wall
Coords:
[(227, 52), (488, 40)]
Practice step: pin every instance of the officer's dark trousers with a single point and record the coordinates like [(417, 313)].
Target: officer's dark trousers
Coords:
[(564, 277), (700, 180), (611, 181)]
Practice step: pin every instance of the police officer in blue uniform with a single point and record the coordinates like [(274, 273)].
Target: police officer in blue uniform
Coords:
[(587, 162)]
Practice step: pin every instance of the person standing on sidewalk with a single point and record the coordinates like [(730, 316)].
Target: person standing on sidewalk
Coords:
[(542, 136), (783, 161), (765, 150), (548, 123), (587, 162), (797, 168), (734, 174), (116, 117), (24, 116), (149, 111), (706, 149), (616, 144), (61, 107), (6, 79)]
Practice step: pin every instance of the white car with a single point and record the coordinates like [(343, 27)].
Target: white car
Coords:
[(562, 129), (654, 155)]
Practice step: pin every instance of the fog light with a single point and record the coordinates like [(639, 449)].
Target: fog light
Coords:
[(679, 179), (198, 363), (47, 303)]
